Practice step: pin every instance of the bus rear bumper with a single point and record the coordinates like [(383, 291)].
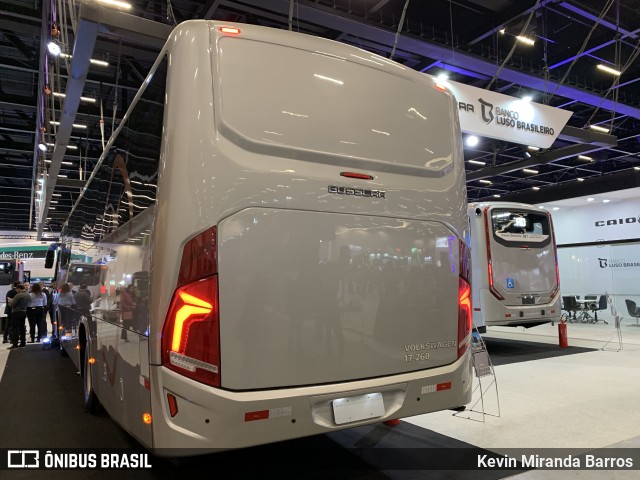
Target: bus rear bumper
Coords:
[(211, 419)]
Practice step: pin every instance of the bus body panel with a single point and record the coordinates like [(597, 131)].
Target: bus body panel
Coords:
[(523, 266), (311, 297)]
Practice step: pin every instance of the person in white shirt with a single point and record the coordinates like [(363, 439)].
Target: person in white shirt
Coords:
[(66, 309), (35, 312)]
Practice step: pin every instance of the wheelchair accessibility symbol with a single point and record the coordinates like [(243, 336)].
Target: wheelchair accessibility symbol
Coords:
[(511, 283)]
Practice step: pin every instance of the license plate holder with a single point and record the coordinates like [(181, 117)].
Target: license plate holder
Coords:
[(528, 300), (360, 407)]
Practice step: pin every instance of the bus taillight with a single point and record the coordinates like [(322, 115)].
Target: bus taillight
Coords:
[(191, 336), (492, 289), (465, 317)]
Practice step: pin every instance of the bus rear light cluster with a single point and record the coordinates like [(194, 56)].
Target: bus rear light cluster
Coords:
[(492, 288), (191, 335), (465, 316)]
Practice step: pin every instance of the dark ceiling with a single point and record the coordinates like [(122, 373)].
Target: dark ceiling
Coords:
[(461, 37)]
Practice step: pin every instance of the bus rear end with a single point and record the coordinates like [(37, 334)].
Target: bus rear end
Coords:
[(308, 264), (516, 281)]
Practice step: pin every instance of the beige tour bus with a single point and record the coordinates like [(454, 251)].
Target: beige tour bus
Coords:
[(279, 220)]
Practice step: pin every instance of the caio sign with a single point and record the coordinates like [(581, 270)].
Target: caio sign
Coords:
[(617, 221)]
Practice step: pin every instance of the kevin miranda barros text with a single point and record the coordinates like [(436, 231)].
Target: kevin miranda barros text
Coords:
[(569, 462)]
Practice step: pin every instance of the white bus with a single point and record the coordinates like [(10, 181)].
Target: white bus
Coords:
[(11, 271), (515, 265), (289, 211)]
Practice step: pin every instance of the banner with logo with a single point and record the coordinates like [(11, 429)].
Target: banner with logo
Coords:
[(595, 269), (598, 222), (494, 115)]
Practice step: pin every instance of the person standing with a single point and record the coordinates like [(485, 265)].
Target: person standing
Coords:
[(66, 302), (35, 311), (7, 310), (127, 306), (43, 322), (83, 300), (19, 304), (52, 307)]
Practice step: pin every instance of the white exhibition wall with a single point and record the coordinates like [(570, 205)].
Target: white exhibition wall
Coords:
[(602, 266)]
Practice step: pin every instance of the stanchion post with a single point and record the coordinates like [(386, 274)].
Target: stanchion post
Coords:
[(562, 334)]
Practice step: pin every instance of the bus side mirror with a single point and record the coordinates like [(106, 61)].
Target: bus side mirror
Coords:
[(48, 260), (478, 212)]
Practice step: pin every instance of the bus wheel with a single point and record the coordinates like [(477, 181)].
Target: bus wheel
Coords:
[(91, 402)]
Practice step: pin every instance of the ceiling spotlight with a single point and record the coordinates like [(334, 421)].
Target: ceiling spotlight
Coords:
[(486, 182), (54, 48), (533, 149), (584, 157), (503, 31), (42, 147), (527, 154), (477, 162), (101, 63), (580, 179), (536, 188), (116, 3), (610, 70), (599, 129), (472, 141), (525, 40), (529, 170), (496, 196), (636, 168)]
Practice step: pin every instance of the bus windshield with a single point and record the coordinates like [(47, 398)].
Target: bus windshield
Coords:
[(513, 227), (87, 274), (7, 270)]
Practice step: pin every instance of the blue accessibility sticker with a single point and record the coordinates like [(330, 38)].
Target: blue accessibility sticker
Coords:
[(511, 283)]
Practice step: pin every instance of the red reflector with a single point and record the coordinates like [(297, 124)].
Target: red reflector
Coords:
[(476, 309), (440, 87), (261, 415), (361, 176), (508, 315), (147, 384), (230, 30), (199, 258), (553, 311), (443, 386), (103, 289), (173, 405)]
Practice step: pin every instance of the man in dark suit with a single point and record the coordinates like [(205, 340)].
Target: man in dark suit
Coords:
[(7, 310)]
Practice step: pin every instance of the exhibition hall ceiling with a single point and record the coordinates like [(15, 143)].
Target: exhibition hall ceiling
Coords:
[(482, 43)]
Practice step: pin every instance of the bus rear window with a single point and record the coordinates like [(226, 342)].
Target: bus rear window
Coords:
[(515, 227), (88, 274), (312, 102)]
